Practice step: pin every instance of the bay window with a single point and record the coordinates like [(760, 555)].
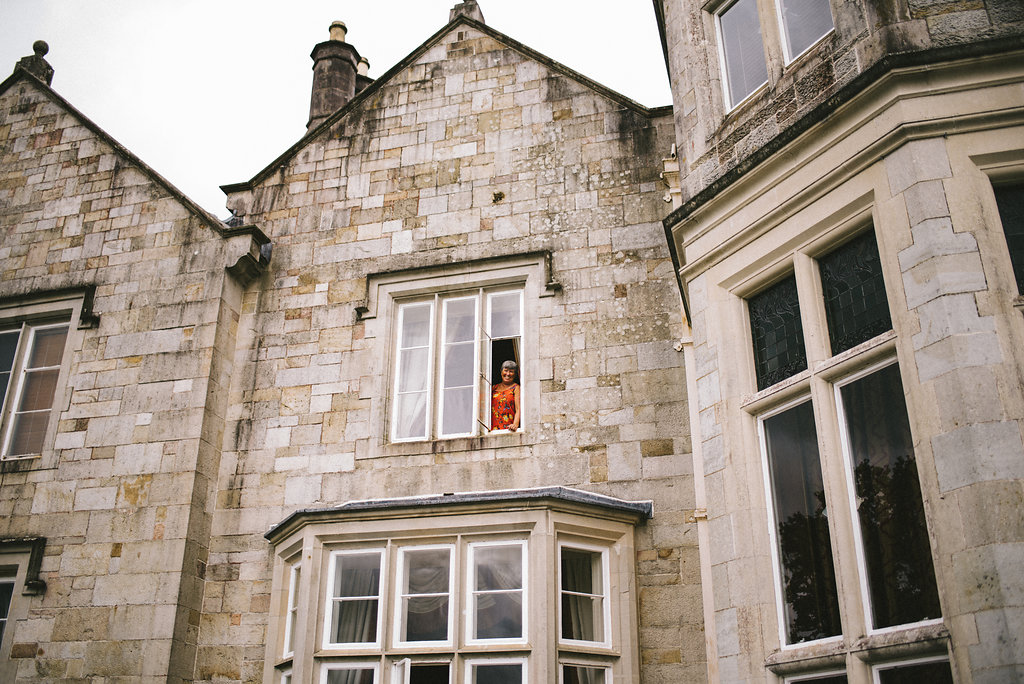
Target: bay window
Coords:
[(844, 339), (459, 588)]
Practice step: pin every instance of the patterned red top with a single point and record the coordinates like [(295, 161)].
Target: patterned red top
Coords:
[(503, 406)]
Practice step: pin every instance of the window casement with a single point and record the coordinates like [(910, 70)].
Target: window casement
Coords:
[(583, 604), (803, 23), (7, 579), (20, 562), (934, 670), (448, 354), (31, 356), (1010, 202), (293, 608), (741, 50), (457, 597), (848, 410)]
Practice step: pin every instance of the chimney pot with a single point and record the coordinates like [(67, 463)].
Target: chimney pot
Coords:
[(334, 76), (339, 31), (363, 68)]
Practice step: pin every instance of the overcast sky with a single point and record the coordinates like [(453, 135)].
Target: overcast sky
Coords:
[(208, 92)]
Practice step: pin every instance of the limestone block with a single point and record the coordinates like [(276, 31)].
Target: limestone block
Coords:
[(942, 275), (978, 453), (916, 161), (960, 351), (950, 315)]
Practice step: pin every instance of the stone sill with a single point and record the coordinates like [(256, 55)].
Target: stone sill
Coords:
[(495, 440), (916, 641)]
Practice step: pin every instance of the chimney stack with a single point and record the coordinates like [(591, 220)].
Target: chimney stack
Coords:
[(334, 75), (468, 8), (36, 65)]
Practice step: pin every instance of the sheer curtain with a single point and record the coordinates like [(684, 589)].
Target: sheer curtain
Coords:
[(356, 591), (427, 595), (498, 592), (580, 605)]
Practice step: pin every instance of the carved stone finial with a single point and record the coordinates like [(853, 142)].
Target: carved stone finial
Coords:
[(36, 65)]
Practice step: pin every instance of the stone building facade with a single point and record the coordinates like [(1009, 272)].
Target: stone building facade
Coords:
[(261, 449), (846, 234)]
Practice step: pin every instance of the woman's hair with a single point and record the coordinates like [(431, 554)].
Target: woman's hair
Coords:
[(510, 364)]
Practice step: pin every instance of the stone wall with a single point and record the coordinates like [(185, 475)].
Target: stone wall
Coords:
[(474, 151)]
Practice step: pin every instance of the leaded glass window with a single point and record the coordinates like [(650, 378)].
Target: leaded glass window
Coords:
[(856, 307), (1010, 199), (777, 334), (810, 597)]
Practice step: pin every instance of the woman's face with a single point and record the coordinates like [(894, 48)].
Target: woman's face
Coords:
[(508, 375)]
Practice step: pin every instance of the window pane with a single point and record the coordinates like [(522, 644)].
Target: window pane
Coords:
[(293, 597), (355, 598), (8, 348), (38, 390), (776, 333), (362, 675), (415, 325), (582, 595), (855, 304), (742, 49), (897, 552), (509, 673), (824, 679), (577, 674), (6, 592), (48, 347), (458, 364), (414, 370), (458, 411), (426, 595), (505, 314), (804, 22), (1010, 199), (428, 674), (498, 596), (460, 320), (933, 673), (805, 550), (28, 432), (411, 415)]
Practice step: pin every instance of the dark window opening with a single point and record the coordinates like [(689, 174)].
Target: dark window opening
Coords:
[(502, 351), (801, 518), (933, 673), (1010, 199), (897, 551), (855, 303), (428, 674), (778, 337)]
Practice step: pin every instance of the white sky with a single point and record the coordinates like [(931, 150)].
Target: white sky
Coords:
[(208, 92)]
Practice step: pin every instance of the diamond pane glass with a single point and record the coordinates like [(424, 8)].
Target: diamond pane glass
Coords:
[(811, 600), (776, 332), (1010, 199), (855, 304), (897, 552)]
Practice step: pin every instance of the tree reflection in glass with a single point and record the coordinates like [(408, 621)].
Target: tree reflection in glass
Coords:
[(897, 552), (805, 549)]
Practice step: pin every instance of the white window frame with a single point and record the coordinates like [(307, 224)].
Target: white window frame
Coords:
[(572, 662), (27, 331), (773, 523), (784, 31), (471, 662), (437, 305), (471, 592), (605, 595), (401, 670), (286, 677), (291, 610), (876, 670), (723, 65), (399, 594), (330, 599), (817, 676), (861, 557), (369, 665)]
